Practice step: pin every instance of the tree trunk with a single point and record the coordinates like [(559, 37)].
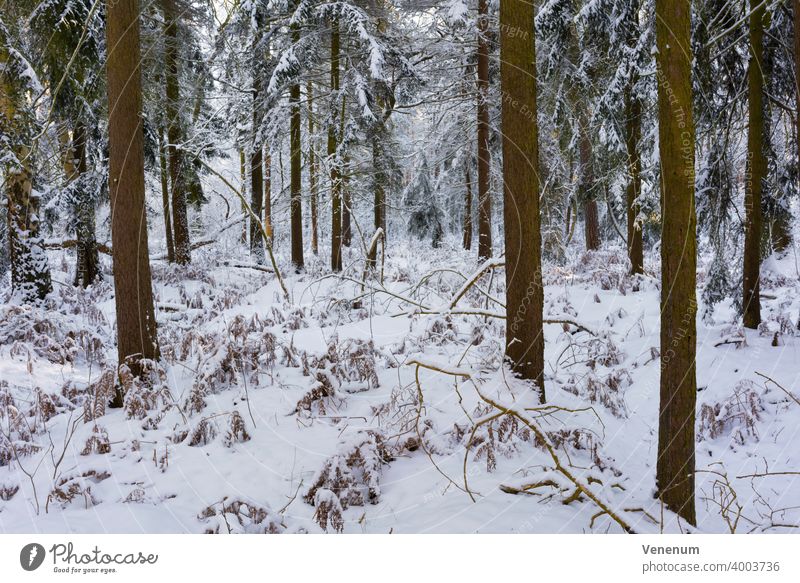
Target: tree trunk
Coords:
[(162, 159), (676, 460), (243, 188), (379, 185), (136, 322), (73, 151), (268, 193), (347, 234), (467, 242), (296, 171), (177, 169), (312, 171), (87, 268), (755, 173), (591, 221), (523, 240), (336, 198), (256, 186), (484, 198), (30, 273), (634, 123)]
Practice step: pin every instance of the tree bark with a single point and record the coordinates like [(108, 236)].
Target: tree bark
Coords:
[(336, 198), (162, 160), (177, 164), (347, 233), (484, 198), (467, 242), (312, 171), (634, 189), (755, 173), (256, 186), (136, 322), (591, 221), (243, 187), (675, 463), (523, 241), (296, 171)]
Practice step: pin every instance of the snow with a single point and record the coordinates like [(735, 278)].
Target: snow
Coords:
[(602, 424)]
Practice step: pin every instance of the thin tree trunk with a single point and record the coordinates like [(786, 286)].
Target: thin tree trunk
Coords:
[(296, 171), (73, 151), (256, 185), (243, 187), (136, 322), (467, 242), (675, 463), (268, 193), (312, 170), (336, 198), (755, 173), (484, 198), (379, 205), (347, 234), (162, 159), (634, 121), (87, 268), (177, 169), (523, 241)]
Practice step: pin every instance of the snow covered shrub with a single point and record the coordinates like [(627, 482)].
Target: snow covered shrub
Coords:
[(146, 396), (7, 491), (239, 516), (352, 474), (502, 436), (240, 353), (97, 395), (607, 390), (203, 433), (237, 430), (48, 334), (97, 443), (328, 513), (16, 434), (736, 416), (72, 486)]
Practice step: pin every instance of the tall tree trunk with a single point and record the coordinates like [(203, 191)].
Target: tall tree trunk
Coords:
[(243, 189), (177, 164), (87, 268), (30, 273), (73, 151), (755, 172), (162, 160), (634, 123), (312, 170), (676, 460), (268, 193), (336, 195), (591, 221), (484, 198), (136, 322), (467, 242), (379, 185), (347, 233), (256, 185), (296, 171), (523, 240)]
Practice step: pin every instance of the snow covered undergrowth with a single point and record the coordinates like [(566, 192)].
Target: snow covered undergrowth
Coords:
[(326, 411)]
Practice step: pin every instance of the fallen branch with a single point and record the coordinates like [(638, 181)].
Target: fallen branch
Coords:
[(247, 266), (581, 488), (70, 243), (777, 384)]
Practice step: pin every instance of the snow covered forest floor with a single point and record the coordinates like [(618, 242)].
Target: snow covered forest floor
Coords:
[(326, 412)]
